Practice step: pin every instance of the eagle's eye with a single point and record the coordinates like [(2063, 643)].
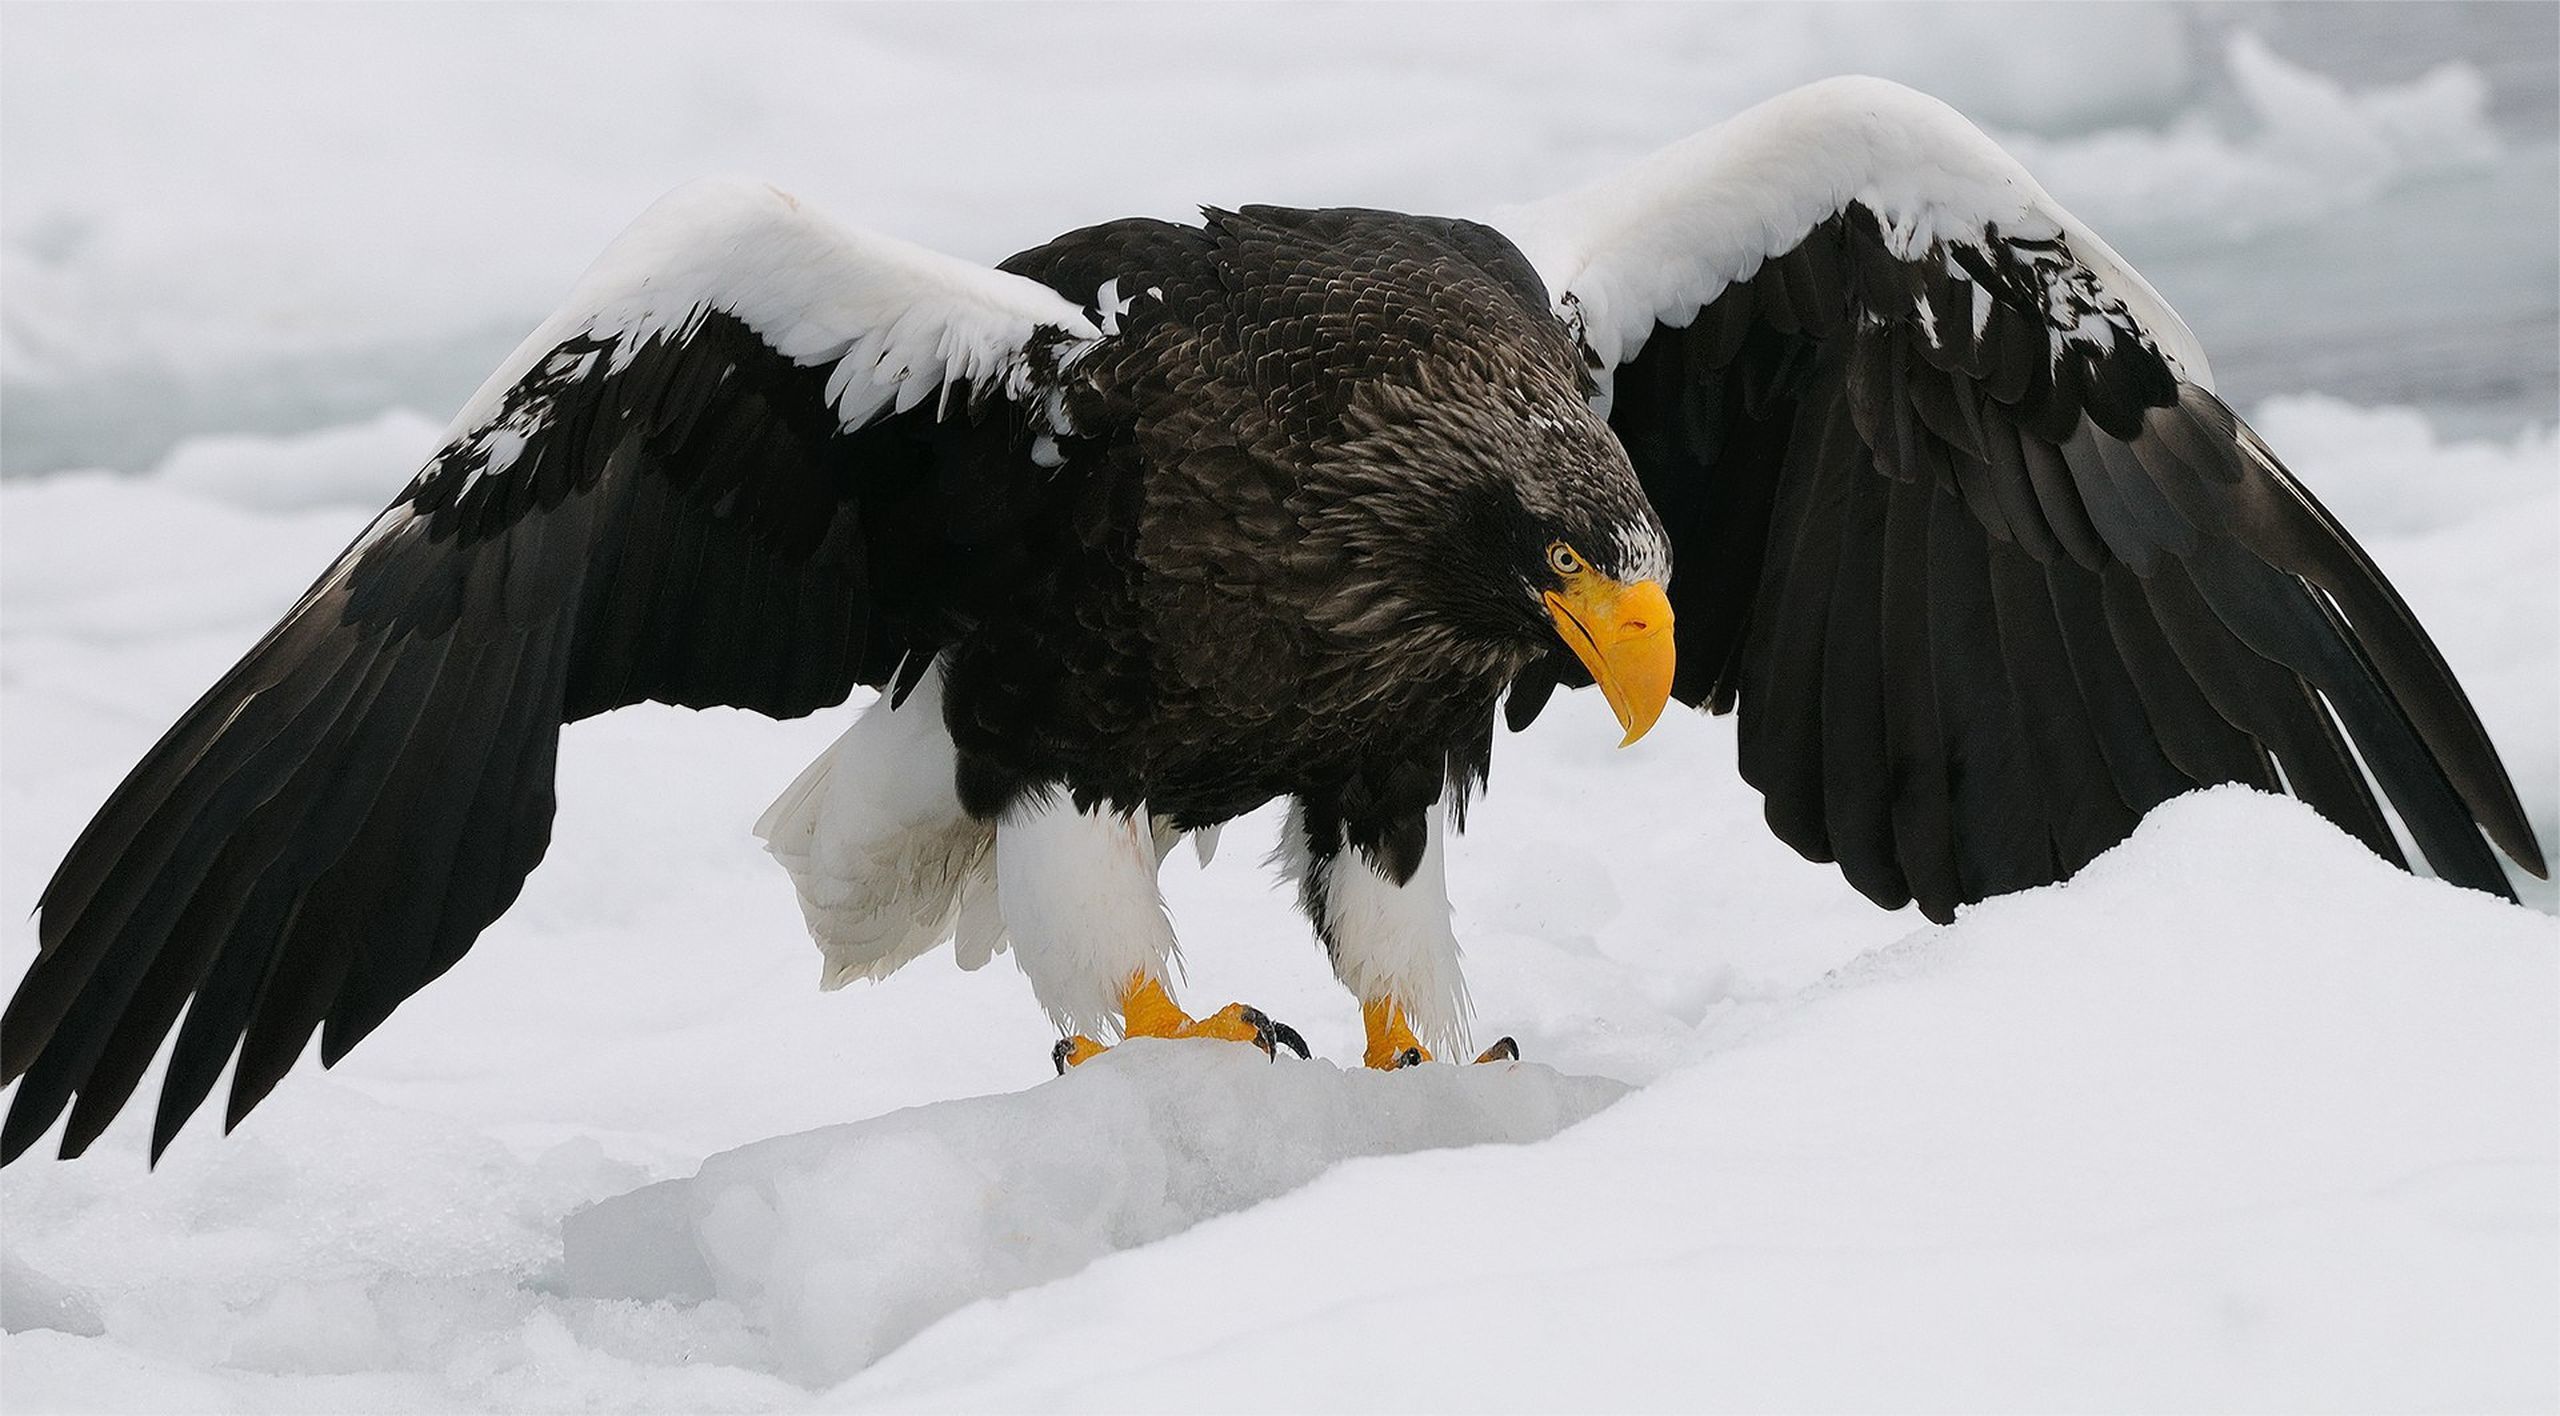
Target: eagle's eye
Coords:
[(1562, 560)]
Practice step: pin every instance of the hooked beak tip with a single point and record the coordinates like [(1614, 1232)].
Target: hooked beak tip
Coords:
[(1622, 634)]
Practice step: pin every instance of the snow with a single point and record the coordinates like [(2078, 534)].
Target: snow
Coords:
[(2235, 1120), (843, 1243), (898, 321), (2239, 1119)]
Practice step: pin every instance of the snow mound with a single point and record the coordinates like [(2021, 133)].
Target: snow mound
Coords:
[(31, 1300), (2241, 1118), (844, 1242)]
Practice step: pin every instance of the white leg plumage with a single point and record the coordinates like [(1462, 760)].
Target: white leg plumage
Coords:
[(1391, 944), (1079, 900), (887, 865)]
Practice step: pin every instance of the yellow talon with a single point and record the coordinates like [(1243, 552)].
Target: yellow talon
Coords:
[(1392, 1043), (1147, 1010), (1233, 1023)]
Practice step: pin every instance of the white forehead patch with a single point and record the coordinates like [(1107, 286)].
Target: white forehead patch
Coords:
[(1640, 553)]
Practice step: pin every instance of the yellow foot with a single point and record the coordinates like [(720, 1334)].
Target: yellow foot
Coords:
[(1392, 1043), (1146, 1010)]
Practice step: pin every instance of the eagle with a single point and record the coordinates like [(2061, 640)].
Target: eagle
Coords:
[(1829, 417)]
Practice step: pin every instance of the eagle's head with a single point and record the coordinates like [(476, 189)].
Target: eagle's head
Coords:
[(1493, 516)]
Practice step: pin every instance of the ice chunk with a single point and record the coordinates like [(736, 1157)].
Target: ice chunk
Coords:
[(844, 1242), (2309, 149)]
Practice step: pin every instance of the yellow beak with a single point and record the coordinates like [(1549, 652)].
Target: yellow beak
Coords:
[(1622, 634)]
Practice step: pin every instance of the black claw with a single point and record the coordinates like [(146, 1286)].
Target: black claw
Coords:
[(1503, 1050), (1411, 1057), (1262, 1031), (1287, 1036), (1058, 1054)]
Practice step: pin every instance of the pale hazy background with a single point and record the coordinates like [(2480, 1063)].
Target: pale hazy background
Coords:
[(218, 218)]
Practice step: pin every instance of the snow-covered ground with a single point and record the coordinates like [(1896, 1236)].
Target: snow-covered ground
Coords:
[(2240, 1119)]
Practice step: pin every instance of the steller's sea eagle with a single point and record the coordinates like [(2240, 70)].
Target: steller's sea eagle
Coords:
[(1155, 523)]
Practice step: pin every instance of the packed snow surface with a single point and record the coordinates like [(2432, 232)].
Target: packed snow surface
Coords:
[(2240, 1118), (843, 1243)]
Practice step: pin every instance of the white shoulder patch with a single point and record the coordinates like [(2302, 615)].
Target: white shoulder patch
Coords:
[(1658, 241), (898, 321)]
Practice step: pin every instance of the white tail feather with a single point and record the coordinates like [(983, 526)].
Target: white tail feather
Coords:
[(878, 847)]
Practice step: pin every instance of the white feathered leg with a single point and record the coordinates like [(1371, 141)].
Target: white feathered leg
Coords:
[(887, 865), (1391, 945), (1078, 895), (886, 862)]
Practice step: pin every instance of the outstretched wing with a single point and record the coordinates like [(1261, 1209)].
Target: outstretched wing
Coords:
[(711, 478), (1960, 527)]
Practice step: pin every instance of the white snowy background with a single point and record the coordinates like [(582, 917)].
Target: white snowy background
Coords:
[(2242, 1118)]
